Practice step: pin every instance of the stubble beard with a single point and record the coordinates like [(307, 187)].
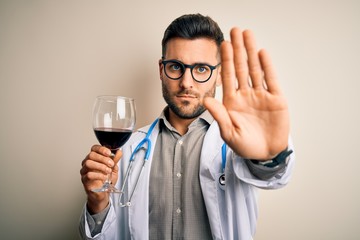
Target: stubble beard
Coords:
[(185, 110)]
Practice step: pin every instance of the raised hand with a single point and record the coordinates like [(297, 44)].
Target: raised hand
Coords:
[(254, 117)]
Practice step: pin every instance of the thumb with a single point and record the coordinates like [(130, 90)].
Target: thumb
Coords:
[(219, 112), (117, 156)]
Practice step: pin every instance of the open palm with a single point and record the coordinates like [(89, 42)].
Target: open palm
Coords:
[(253, 118)]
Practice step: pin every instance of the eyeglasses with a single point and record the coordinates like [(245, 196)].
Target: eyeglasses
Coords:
[(201, 72)]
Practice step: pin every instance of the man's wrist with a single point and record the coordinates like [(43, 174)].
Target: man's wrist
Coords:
[(266, 170), (277, 160), (95, 206)]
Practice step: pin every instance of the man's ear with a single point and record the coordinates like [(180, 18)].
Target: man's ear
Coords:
[(161, 68)]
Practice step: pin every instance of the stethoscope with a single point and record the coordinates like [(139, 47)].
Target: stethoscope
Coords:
[(140, 146), (223, 165), (147, 141)]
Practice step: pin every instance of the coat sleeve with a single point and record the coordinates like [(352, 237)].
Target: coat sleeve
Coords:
[(241, 170), (109, 227)]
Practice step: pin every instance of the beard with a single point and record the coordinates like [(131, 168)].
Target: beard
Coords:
[(185, 109)]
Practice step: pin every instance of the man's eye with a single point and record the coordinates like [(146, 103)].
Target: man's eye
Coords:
[(202, 69), (175, 67)]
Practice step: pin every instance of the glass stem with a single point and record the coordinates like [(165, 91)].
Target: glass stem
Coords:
[(109, 176)]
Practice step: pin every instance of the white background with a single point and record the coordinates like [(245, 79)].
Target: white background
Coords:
[(56, 56)]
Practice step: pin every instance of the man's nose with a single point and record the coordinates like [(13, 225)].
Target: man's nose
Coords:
[(187, 80)]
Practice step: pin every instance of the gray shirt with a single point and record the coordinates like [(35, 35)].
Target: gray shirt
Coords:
[(176, 208)]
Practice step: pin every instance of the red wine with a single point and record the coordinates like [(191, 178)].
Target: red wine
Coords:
[(112, 138)]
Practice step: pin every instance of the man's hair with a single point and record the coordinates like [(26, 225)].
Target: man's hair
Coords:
[(192, 26)]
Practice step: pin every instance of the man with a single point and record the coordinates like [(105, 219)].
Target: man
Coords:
[(194, 186)]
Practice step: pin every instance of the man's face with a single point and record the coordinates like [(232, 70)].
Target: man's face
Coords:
[(185, 96)]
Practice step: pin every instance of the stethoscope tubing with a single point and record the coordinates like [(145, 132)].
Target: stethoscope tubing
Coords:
[(223, 165), (147, 141)]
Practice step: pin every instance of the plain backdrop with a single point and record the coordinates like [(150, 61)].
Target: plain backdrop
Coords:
[(56, 56)]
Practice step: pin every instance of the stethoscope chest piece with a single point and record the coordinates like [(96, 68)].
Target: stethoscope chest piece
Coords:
[(222, 179)]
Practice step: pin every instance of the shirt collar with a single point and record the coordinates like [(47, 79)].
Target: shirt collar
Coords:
[(204, 118)]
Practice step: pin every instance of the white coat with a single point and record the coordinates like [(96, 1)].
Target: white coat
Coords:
[(232, 210)]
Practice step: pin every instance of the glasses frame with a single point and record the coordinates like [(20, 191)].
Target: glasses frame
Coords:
[(184, 66)]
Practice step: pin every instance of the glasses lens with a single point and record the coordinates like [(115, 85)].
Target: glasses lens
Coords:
[(201, 73), (174, 69)]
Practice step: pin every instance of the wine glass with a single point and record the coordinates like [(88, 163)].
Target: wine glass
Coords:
[(113, 123)]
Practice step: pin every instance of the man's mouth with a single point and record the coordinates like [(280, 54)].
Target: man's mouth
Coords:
[(185, 96)]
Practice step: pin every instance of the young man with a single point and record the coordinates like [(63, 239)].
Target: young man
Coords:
[(194, 186)]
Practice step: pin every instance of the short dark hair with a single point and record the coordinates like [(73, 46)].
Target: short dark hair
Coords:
[(192, 26)]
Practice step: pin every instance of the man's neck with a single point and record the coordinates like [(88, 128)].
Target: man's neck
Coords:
[(180, 124)]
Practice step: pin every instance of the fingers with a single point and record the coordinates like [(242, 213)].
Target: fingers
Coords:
[(255, 70), (269, 72), (101, 150), (100, 154), (94, 166), (242, 60), (227, 69), (89, 175), (97, 165)]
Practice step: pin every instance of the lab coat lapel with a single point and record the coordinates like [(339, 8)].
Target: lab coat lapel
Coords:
[(210, 159), (210, 170), (139, 210)]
